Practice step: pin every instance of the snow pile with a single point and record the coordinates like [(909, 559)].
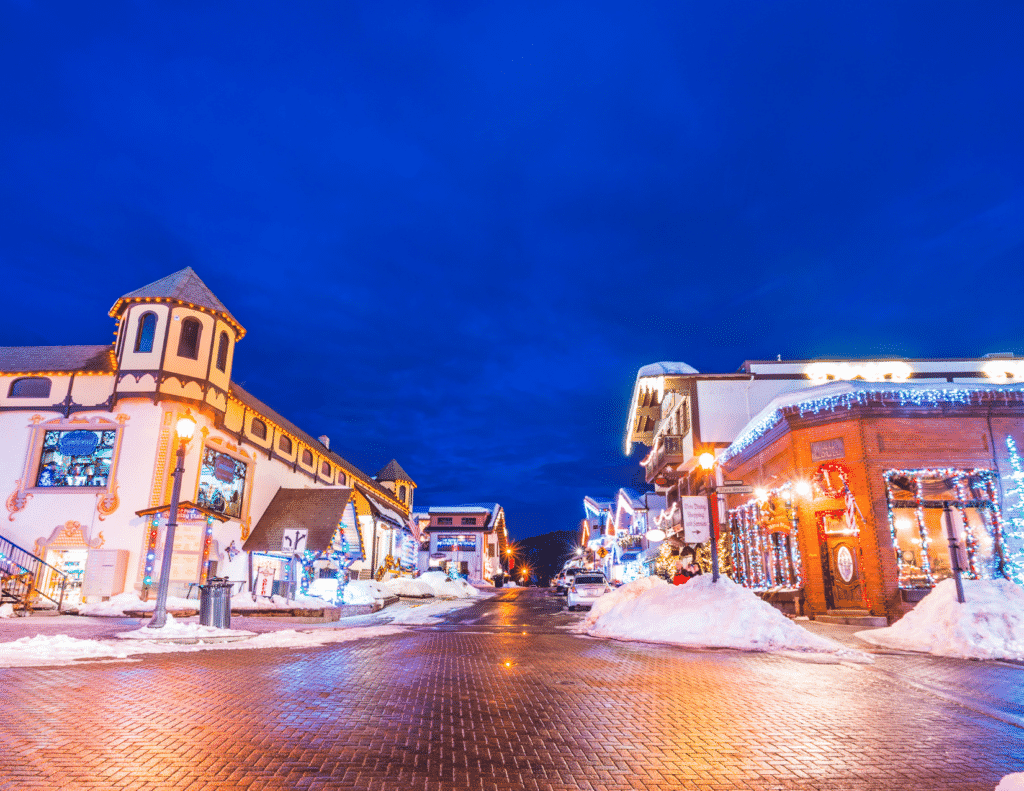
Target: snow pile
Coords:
[(426, 612), (1014, 782), (63, 650), (447, 588), (510, 584), (409, 587), (174, 629), (244, 601), (118, 605), (6, 610), (989, 625), (702, 614), (365, 592)]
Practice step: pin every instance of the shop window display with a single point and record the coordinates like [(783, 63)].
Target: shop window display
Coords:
[(76, 458), (221, 483)]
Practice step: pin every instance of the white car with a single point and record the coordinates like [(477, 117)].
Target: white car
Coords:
[(586, 588)]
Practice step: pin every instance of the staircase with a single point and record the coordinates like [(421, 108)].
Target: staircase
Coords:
[(853, 618), (28, 581)]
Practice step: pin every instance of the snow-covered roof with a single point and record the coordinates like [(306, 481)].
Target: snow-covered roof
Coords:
[(845, 394), (459, 509), (655, 371), (666, 368)]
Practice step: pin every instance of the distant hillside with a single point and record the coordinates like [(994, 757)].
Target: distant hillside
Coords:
[(545, 554)]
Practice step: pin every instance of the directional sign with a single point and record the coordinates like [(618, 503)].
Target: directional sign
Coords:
[(734, 488), (696, 519)]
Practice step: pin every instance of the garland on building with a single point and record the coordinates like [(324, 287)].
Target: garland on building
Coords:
[(665, 562), (1014, 566), (762, 557)]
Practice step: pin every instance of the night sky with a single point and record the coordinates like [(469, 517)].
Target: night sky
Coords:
[(454, 231)]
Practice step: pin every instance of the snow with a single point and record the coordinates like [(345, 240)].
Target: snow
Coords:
[(6, 610), (447, 588), (663, 368), (989, 625), (243, 601), (365, 592), (427, 612), (64, 650), (174, 629), (118, 605), (702, 614), (1014, 782), (409, 587)]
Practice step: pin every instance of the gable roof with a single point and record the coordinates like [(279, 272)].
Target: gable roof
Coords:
[(393, 472), (317, 510), (181, 286), (57, 359)]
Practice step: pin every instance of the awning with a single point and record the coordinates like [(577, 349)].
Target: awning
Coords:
[(383, 512), (318, 511)]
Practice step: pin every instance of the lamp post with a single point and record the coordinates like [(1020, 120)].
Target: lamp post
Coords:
[(707, 463), (184, 428)]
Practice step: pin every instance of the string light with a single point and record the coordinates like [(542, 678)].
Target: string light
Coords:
[(1013, 566), (154, 527)]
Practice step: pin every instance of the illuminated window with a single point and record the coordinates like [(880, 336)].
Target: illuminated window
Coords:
[(76, 458), (221, 483), (30, 387), (258, 428), (222, 352), (284, 444), (146, 332), (307, 457), (188, 341)]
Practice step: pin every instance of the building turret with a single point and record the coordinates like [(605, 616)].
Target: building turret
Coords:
[(397, 480), (175, 338)]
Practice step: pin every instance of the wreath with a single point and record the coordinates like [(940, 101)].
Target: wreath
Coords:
[(832, 480)]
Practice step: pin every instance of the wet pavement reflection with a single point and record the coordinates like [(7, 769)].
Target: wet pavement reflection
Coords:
[(478, 704)]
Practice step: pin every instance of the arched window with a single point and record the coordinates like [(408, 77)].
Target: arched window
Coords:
[(30, 387), (258, 428), (222, 352), (146, 332), (284, 444), (325, 470), (401, 493), (188, 341), (307, 457), (341, 478)]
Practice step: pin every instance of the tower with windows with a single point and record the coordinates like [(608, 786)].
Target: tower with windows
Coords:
[(175, 338), (397, 480)]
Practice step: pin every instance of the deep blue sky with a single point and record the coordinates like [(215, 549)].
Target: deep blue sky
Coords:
[(455, 230)]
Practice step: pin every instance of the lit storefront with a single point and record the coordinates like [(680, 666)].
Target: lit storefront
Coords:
[(859, 480)]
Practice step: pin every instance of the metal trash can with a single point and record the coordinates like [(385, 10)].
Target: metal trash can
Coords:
[(499, 580), (215, 603)]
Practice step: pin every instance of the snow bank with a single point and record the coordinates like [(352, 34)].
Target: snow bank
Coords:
[(989, 625), (409, 587), (365, 592), (1014, 782), (427, 612), (118, 605), (63, 650), (447, 588), (174, 629), (702, 614), (243, 601), (6, 610)]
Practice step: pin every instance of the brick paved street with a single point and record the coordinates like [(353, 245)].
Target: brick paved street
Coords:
[(478, 704)]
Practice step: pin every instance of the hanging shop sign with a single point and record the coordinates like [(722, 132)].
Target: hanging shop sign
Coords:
[(696, 519)]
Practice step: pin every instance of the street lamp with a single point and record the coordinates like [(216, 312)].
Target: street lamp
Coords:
[(707, 463), (184, 428)]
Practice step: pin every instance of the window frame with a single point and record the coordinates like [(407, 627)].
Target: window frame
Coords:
[(139, 329), (223, 346), (20, 379), (255, 422), (190, 321), (282, 440)]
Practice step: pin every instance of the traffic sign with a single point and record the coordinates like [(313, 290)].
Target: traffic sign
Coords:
[(734, 488)]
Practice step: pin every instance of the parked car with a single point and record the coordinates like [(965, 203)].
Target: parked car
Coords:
[(565, 579), (586, 588)]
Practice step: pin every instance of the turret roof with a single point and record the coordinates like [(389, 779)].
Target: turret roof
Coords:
[(393, 472), (183, 286)]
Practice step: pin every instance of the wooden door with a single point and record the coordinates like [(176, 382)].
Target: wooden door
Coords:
[(840, 559)]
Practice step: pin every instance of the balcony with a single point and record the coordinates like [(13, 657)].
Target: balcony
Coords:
[(670, 449)]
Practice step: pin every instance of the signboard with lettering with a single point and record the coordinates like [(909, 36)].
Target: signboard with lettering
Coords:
[(447, 543), (696, 519), (828, 449)]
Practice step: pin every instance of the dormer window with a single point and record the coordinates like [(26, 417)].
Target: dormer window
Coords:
[(258, 428), (222, 352), (307, 457), (146, 333), (325, 469), (30, 387), (188, 340), (284, 444), (342, 479)]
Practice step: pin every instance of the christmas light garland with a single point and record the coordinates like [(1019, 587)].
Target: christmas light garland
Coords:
[(753, 543), (1013, 566)]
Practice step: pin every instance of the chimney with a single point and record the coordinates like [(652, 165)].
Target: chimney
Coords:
[(325, 441)]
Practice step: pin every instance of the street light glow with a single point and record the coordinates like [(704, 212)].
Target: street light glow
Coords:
[(707, 460), (185, 427)]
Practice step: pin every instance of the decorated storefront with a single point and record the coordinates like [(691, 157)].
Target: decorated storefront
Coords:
[(867, 495)]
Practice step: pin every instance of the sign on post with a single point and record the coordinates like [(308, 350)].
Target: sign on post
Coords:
[(294, 541), (696, 519)]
